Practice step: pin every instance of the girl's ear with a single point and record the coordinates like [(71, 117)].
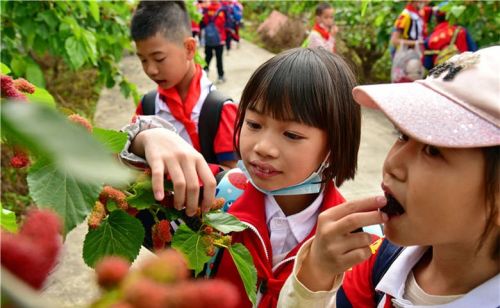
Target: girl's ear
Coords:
[(190, 46)]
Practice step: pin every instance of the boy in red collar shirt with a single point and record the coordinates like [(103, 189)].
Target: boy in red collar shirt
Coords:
[(324, 29), (162, 33)]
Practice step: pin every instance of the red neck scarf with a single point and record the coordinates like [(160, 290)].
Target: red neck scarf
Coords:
[(181, 110), (324, 33)]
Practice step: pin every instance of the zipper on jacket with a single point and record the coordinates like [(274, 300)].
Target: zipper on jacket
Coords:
[(258, 235)]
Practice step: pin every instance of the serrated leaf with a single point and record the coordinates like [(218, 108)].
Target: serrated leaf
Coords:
[(112, 139), (142, 195), (4, 69), (120, 234), (190, 244), (244, 263), (73, 150), (71, 199), (224, 222), (8, 220)]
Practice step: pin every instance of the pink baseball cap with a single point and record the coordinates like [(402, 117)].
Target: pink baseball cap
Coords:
[(456, 106)]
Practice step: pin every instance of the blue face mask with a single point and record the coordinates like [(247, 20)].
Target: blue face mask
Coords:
[(311, 185)]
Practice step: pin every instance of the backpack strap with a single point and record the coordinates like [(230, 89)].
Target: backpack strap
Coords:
[(148, 103), (455, 34), (208, 123), (386, 255)]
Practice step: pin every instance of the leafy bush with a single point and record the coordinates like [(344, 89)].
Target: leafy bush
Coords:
[(42, 40)]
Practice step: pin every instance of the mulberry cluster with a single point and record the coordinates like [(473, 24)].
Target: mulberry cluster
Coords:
[(32, 253), (20, 159), (97, 215), (111, 193), (9, 89), (77, 119), (218, 204), (162, 281), (161, 235), (111, 271), (24, 85)]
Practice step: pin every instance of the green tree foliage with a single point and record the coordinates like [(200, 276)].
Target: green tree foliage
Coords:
[(38, 35), (365, 26)]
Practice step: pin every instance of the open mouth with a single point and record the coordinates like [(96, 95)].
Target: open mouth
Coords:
[(393, 207)]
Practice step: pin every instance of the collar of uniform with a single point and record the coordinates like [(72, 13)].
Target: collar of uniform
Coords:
[(393, 283), (300, 223), (205, 87)]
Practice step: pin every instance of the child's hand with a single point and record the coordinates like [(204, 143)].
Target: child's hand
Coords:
[(335, 247), (167, 153)]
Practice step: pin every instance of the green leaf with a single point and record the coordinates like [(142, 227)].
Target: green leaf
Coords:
[(59, 191), (190, 244), (76, 52), (4, 69), (364, 6), (18, 66), (244, 263), (457, 10), (8, 220), (34, 74), (112, 139), (41, 96), (49, 17), (94, 10), (120, 234), (142, 195), (71, 148), (89, 41), (224, 222)]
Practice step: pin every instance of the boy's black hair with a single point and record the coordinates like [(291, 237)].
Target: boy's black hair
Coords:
[(321, 7), (313, 87), (167, 17)]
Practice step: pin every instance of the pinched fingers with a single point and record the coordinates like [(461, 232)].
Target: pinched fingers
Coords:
[(353, 215)]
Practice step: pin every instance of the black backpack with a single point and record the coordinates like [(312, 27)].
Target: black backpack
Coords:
[(207, 123)]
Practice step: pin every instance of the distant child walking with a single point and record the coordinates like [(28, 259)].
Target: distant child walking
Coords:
[(162, 34), (213, 25), (297, 133), (441, 208), (324, 29)]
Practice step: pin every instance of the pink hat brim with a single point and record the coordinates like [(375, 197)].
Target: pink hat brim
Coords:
[(428, 116)]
